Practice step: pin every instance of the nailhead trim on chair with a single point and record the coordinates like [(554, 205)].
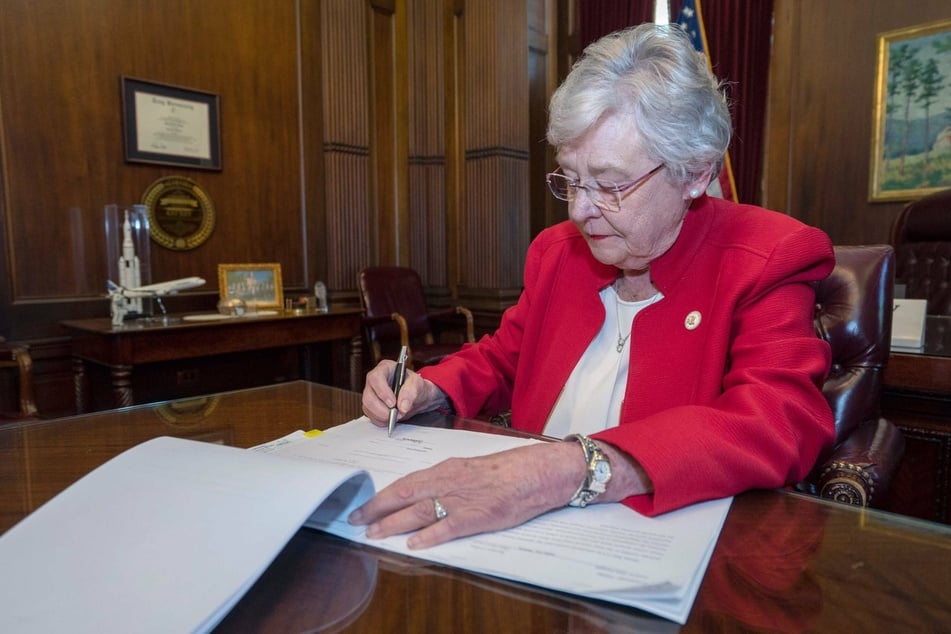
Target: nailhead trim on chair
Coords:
[(852, 484)]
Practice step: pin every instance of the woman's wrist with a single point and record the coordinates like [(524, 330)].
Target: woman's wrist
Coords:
[(436, 399), (628, 476)]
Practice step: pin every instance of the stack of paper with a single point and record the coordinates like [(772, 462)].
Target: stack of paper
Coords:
[(113, 551), (166, 537), (604, 551)]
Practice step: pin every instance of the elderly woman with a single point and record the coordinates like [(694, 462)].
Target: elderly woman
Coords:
[(665, 334)]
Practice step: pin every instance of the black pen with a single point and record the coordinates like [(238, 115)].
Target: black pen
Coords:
[(399, 375)]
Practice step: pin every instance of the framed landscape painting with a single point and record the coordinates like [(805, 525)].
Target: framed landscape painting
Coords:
[(911, 145)]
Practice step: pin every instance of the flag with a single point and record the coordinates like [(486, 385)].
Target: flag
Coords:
[(691, 21)]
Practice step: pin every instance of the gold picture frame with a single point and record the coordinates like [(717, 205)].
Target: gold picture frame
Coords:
[(911, 145), (259, 285)]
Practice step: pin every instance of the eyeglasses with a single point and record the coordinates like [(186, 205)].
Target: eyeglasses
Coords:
[(606, 195)]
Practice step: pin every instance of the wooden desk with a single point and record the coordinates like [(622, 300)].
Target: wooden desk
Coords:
[(928, 371), (783, 563), (916, 396), (136, 343)]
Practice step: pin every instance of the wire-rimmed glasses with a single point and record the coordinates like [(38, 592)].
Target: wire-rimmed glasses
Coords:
[(606, 195)]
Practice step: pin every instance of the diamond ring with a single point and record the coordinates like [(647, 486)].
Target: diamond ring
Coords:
[(440, 510)]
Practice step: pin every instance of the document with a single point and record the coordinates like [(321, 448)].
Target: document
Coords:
[(603, 551), (181, 523), (166, 537)]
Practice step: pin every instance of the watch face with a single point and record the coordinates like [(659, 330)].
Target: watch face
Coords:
[(602, 471)]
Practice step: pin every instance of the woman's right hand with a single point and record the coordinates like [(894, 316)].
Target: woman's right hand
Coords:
[(417, 394)]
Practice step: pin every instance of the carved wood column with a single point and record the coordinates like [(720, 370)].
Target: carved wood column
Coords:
[(494, 225), (346, 199), (454, 65), (427, 131), (388, 126)]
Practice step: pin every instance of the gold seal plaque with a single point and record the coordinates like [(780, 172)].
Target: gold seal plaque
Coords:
[(181, 215), (189, 412)]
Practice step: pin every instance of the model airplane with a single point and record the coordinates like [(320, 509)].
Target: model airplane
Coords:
[(155, 290), (121, 295)]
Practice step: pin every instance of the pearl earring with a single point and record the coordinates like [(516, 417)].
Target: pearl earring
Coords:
[(694, 193)]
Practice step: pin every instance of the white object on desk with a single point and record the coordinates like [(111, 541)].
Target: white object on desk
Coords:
[(220, 317), (166, 537), (908, 324), (208, 317)]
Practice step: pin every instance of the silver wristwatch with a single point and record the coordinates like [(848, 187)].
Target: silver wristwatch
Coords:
[(599, 472)]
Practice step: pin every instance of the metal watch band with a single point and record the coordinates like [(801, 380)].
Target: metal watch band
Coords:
[(598, 473)]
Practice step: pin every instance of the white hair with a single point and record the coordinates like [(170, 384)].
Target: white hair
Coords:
[(654, 75)]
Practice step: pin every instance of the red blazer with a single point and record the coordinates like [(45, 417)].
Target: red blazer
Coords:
[(723, 391)]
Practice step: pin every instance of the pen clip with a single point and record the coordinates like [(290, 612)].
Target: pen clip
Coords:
[(399, 373), (396, 382)]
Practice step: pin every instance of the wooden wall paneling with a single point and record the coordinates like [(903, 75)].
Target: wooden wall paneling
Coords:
[(312, 157), (817, 167), (351, 229), (775, 189), (825, 91), (494, 229), (455, 110), (42, 136), (6, 281), (259, 205), (388, 146), (543, 79), (569, 36), (427, 143), (60, 66)]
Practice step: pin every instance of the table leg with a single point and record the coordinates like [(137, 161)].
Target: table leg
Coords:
[(356, 363), (80, 386), (305, 357), (122, 385)]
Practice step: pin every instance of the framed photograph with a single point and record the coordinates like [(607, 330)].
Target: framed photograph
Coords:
[(169, 125), (911, 145), (259, 285)]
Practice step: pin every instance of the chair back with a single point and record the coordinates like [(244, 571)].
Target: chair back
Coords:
[(854, 314), (921, 236), (385, 290), (389, 290)]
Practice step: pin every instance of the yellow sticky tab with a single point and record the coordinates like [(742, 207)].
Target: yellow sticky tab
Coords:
[(313, 432)]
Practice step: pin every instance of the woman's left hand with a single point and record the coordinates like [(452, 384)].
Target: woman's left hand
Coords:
[(480, 494)]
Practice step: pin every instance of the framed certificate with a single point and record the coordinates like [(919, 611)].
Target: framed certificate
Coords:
[(170, 125)]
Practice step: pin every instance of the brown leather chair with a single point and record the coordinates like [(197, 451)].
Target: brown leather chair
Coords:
[(853, 313), (921, 235), (18, 357), (395, 314)]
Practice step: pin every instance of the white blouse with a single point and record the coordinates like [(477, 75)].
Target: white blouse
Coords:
[(591, 399)]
